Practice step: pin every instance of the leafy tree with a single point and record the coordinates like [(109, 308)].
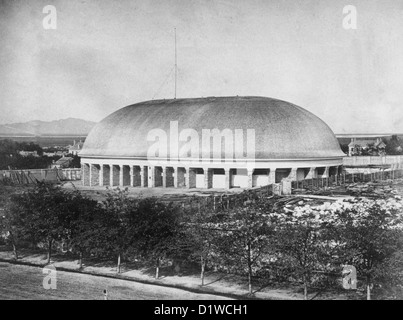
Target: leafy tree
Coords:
[(29, 146), (43, 214), (201, 231), (246, 235), (361, 232), (112, 232), (394, 146), (10, 157), (303, 241), (11, 225), (344, 148), (30, 162), (76, 162), (372, 232), (83, 212), (145, 227), (357, 150), (155, 227), (8, 147)]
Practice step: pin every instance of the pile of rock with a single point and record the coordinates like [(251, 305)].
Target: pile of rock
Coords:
[(370, 189), (358, 189), (325, 191)]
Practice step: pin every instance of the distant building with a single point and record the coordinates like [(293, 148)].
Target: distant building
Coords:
[(372, 145), (76, 147), (55, 154), (61, 153), (62, 163), (49, 154), (29, 153)]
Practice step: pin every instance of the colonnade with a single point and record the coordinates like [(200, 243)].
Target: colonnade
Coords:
[(152, 176)]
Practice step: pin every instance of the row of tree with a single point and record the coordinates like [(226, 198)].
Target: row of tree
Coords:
[(260, 238), (11, 147), (11, 158), (394, 146)]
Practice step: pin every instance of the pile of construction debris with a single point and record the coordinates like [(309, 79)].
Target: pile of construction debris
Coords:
[(323, 191), (371, 189), (288, 204)]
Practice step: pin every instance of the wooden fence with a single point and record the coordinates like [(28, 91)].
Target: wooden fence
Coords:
[(372, 160), (219, 202), (35, 175), (346, 178)]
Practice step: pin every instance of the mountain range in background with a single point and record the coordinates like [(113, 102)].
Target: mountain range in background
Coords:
[(63, 127), (79, 127)]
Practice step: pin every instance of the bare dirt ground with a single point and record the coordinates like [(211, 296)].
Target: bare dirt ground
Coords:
[(25, 282), (215, 282), (98, 193)]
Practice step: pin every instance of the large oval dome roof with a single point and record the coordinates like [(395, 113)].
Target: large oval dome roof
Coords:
[(282, 130)]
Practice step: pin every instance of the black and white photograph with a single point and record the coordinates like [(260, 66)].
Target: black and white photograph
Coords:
[(201, 155)]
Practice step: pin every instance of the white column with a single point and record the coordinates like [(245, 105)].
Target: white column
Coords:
[(187, 177), (250, 178), (90, 181), (208, 181), (326, 173), (311, 174), (151, 174), (111, 175), (131, 176), (227, 178), (142, 177), (121, 175), (176, 177), (272, 176), (164, 177), (101, 175), (293, 174), (336, 175)]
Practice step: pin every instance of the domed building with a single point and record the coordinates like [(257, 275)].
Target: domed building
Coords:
[(214, 142)]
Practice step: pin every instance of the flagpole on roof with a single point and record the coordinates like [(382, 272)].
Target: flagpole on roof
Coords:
[(176, 69)]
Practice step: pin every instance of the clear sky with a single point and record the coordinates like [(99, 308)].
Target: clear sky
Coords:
[(108, 54)]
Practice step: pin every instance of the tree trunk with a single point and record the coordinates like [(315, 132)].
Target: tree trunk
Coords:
[(81, 260), (249, 269), (157, 269), (305, 288), (250, 280), (368, 288), (49, 250), (15, 251), (118, 268), (203, 265)]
